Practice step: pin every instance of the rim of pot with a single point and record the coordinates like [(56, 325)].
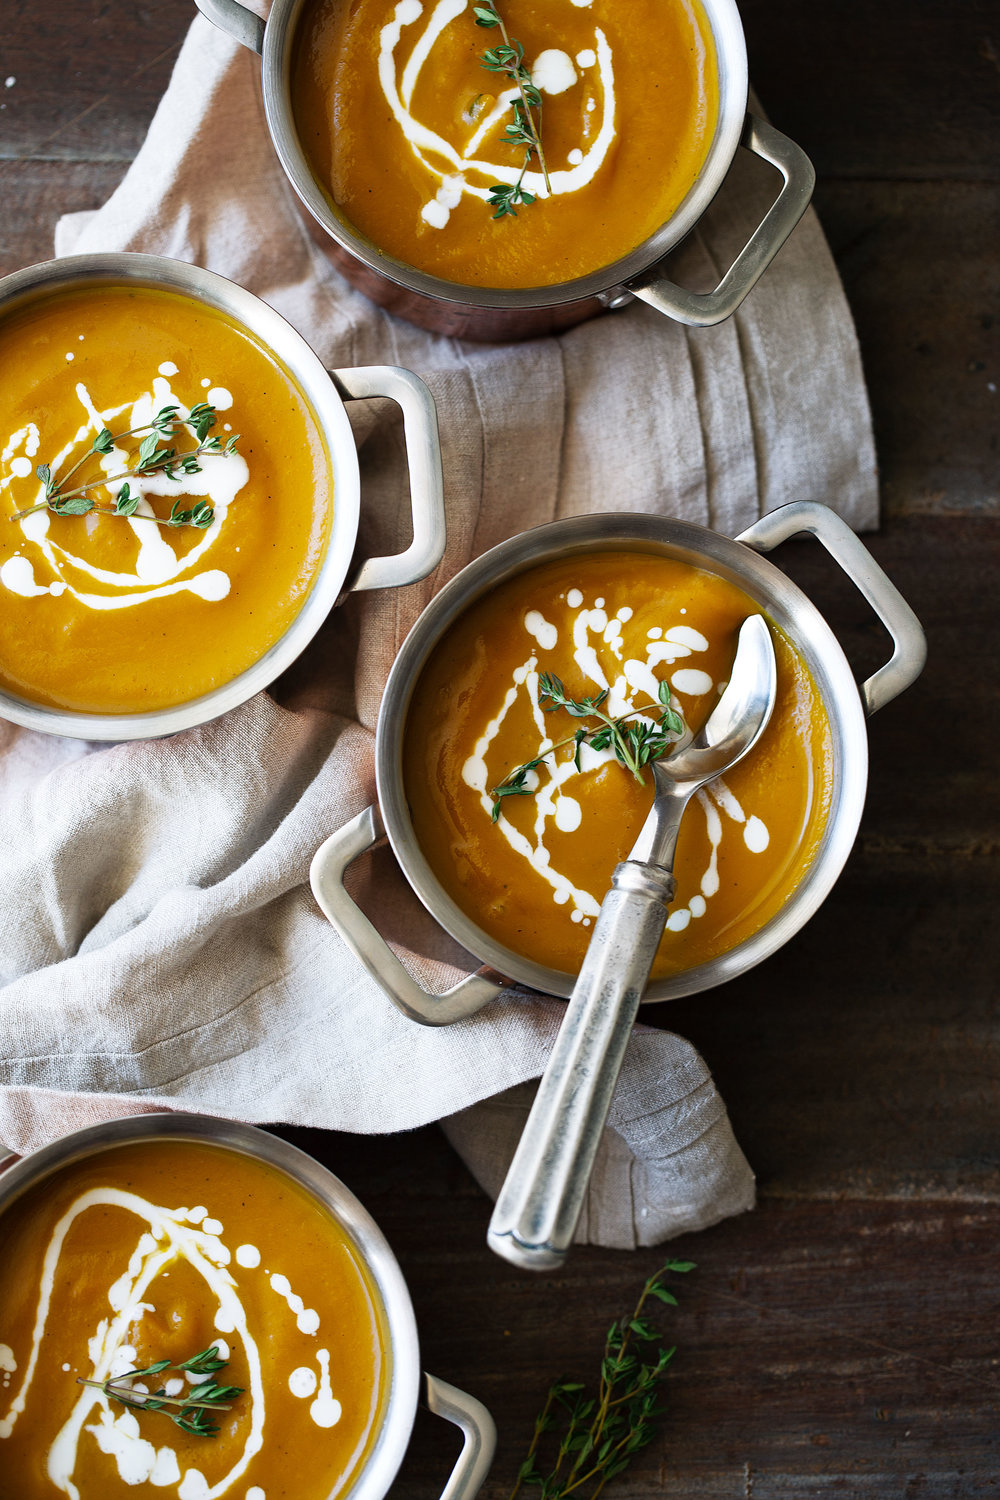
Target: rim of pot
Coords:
[(306, 370), (778, 597), (403, 1351), (731, 56)]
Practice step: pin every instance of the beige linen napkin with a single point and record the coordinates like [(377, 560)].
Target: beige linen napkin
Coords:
[(159, 945)]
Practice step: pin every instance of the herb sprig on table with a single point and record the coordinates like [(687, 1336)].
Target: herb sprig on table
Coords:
[(193, 1411), (525, 130), (596, 1437), (634, 744), (152, 458)]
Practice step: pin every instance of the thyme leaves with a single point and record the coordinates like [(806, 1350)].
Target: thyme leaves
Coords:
[(596, 1437), (635, 737), (192, 1412), (524, 131), (153, 457)]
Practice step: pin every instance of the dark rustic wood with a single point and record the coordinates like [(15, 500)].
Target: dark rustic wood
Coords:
[(919, 262), (882, 92), (842, 1339), (863, 1058), (88, 75), (823, 1347)]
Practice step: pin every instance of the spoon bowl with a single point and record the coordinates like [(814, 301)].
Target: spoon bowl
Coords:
[(740, 716), (733, 727)]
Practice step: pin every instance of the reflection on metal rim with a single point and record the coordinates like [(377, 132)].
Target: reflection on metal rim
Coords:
[(290, 350), (730, 47), (776, 595), (387, 1452)]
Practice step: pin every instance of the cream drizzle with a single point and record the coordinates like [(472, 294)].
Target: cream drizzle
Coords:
[(592, 628), (171, 1237), (475, 774), (306, 1318), (302, 1382), (692, 682), (159, 571), (552, 72), (137, 1460), (326, 1409)]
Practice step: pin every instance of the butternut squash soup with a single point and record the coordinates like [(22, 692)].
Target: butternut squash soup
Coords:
[(165, 499), (525, 152), (119, 1277), (522, 806)]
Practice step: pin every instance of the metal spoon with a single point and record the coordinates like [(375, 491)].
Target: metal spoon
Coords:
[(539, 1204)]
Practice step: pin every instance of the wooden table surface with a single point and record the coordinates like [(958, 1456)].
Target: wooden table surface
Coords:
[(844, 1338)]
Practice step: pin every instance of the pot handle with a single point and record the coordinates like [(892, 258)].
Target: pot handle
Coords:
[(909, 644), (423, 455), (238, 22), (478, 1428), (702, 310), (326, 875)]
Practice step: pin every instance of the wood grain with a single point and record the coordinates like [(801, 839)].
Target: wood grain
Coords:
[(884, 92), (824, 1348), (88, 75)]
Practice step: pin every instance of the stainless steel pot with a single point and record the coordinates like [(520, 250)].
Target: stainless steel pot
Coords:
[(326, 392), (407, 1383), (488, 313), (736, 560)]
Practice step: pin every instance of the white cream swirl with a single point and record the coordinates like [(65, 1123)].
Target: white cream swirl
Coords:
[(598, 649), (159, 569), (553, 72), (172, 1235)]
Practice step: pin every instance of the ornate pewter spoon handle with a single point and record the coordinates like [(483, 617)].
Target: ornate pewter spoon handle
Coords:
[(538, 1206)]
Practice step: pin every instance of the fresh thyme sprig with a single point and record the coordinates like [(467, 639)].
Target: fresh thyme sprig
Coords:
[(524, 130), (194, 1410), (151, 459), (634, 744), (602, 1434)]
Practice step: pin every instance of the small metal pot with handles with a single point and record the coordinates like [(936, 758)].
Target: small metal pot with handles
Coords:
[(408, 1385), (740, 562), (325, 392), (496, 314)]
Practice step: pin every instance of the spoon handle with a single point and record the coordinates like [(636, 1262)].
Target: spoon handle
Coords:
[(539, 1204)]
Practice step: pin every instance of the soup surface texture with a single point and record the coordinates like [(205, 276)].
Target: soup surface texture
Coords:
[(620, 623), (156, 1251), (404, 128), (109, 613)]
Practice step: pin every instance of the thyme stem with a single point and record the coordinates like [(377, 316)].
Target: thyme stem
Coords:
[(151, 459), (96, 484), (102, 437), (194, 1410), (523, 130), (130, 1397), (634, 747), (603, 1434), (519, 75)]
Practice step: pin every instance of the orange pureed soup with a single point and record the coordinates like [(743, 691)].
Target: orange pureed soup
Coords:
[(404, 128), (620, 622), (107, 613), (155, 1251)]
